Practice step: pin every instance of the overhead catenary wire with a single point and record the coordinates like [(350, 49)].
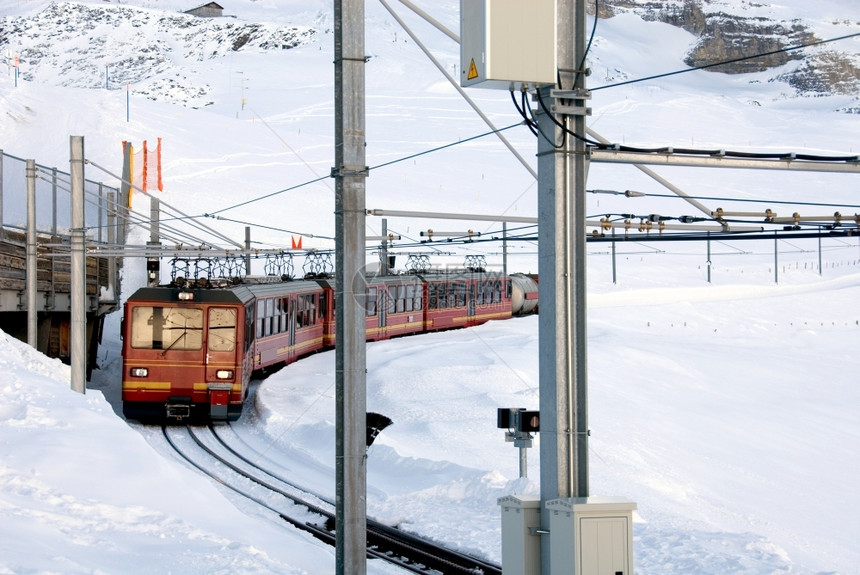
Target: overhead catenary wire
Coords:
[(710, 152), (459, 89), (729, 61), (191, 219), (128, 216)]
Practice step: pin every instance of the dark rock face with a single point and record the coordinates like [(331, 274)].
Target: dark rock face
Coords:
[(725, 37)]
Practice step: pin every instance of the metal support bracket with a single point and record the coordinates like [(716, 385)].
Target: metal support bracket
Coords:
[(570, 110), (347, 171)]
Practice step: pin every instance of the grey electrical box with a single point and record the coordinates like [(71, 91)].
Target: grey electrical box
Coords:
[(507, 43), (591, 535), (520, 541)]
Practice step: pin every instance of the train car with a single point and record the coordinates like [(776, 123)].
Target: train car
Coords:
[(186, 352), (464, 300), (394, 307), (289, 322)]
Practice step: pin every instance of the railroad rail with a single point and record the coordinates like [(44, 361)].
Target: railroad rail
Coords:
[(390, 544)]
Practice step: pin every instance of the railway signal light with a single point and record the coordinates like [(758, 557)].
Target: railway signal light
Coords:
[(520, 424)]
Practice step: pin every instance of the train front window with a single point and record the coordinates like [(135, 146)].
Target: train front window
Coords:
[(222, 329), (166, 328)]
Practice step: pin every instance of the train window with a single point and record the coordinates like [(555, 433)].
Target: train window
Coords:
[(323, 305), (508, 288), (300, 311), (261, 316), (497, 291), (417, 298), (222, 329), (409, 297), (401, 299), (392, 299), (460, 293), (270, 316), (443, 295), (166, 328), (283, 306), (307, 309), (371, 301), (479, 299), (432, 297)]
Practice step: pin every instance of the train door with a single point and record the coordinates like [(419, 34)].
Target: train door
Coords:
[(292, 322), (472, 297), (220, 359), (384, 299)]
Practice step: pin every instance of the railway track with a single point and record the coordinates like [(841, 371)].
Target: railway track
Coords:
[(211, 454)]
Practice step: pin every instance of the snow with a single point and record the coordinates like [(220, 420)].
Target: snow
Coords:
[(725, 410)]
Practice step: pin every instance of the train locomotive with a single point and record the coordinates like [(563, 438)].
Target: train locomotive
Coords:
[(190, 348)]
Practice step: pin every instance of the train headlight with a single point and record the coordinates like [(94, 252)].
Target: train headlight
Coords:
[(138, 372), (186, 295), (224, 374)]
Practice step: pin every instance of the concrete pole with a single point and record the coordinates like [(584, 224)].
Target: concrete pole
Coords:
[(505, 248), (125, 191), (383, 251), (153, 264), (614, 274), (2, 232), (111, 239), (561, 265), (54, 207), (350, 173), (709, 257), (247, 250), (775, 257), (78, 335), (32, 324), (820, 262)]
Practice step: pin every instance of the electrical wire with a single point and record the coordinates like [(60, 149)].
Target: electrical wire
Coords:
[(730, 61), (751, 200), (376, 167)]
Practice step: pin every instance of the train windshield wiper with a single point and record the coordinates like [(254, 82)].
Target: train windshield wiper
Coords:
[(175, 341)]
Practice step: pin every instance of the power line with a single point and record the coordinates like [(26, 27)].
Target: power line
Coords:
[(383, 165), (753, 200), (724, 62)]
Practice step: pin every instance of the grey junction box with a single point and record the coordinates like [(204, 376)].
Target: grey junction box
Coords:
[(591, 535), (507, 43), (520, 544)]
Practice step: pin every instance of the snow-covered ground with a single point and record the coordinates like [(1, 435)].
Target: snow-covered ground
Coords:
[(726, 410)]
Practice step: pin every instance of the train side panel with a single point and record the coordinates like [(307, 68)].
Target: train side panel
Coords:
[(466, 300), (289, 323)]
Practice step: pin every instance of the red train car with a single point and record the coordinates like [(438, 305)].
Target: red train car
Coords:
[(185, 352), (464, 300)]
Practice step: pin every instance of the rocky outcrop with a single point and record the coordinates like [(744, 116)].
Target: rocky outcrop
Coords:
[(725, 40)]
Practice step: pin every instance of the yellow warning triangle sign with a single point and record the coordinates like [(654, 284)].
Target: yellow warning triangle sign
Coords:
[(473, 70)]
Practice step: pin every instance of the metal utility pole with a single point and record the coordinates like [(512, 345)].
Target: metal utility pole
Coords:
[(248, 250), (350, 173), (78, 335), (32, 326), (153, 265), (562, 170)]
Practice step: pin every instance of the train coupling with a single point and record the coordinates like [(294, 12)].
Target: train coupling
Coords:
[(178, 408)]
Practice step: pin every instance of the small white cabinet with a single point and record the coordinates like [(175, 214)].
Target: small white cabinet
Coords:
[(591, 536)]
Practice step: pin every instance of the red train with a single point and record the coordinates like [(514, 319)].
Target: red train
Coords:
[(190, 348)]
